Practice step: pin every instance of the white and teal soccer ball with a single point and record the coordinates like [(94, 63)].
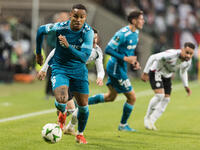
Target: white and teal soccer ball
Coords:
[(52, 133)]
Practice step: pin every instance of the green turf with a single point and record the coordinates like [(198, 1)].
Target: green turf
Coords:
[(178, 127)]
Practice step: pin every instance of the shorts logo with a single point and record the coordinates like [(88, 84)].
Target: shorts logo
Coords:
[(158, 84), (125, 83)]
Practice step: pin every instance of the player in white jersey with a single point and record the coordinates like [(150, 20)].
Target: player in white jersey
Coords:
[(159, 70), (97, 56)]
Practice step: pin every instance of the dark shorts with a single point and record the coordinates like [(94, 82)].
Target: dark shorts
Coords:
[(157, 81)]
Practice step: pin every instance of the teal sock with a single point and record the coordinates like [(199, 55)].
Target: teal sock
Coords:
[(126, 112), (83, 113), (99, 98), (60, 106)]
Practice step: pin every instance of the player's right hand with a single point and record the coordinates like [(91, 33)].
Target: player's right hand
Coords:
[(41, 75), (130, 59), (144, 77), (39, 59)]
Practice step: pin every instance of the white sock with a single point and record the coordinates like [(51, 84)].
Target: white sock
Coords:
[(122, 125), (74, 119), (79, 133), (161, 107), (152, 104)]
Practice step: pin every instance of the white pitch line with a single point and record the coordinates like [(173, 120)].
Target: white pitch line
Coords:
[(27, 115), (138, 94)]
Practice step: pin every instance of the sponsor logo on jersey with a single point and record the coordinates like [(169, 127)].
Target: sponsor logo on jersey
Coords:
[(131, 47)]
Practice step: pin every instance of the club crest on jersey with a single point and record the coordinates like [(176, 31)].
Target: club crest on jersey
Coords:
[(158, 84), (117, 39)]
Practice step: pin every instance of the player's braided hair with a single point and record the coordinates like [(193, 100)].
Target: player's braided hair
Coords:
[(134, 15)]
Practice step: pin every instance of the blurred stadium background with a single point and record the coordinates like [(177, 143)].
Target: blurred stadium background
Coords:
[(168, 25)]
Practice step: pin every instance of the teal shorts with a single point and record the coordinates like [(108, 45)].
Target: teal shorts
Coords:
[(120, 85), (75, 85)]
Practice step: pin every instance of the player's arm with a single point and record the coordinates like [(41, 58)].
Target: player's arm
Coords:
[(42, 30), (111, 49), (155, 57), (184, 76), (42, 73), (100, 69), (86, 47)]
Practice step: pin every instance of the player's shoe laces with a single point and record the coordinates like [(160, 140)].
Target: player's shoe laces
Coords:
[(126, 128), (69, 130), (61, 120), (80, 139)]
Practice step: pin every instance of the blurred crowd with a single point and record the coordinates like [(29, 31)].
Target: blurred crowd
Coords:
[(15, 50), (171, 23)]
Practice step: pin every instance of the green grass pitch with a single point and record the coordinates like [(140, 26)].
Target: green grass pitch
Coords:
[(179, 127)]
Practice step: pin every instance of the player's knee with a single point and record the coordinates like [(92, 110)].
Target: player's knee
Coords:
[(160, 96), (62, 99), (131, 100), (110, 98)]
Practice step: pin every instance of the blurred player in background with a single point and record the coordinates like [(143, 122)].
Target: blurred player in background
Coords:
[(121, 48), (73, 48), (97, 56), (159, 70)]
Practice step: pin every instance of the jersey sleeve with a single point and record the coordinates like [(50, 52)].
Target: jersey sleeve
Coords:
[(183, 72), (50, 56), (99, 64), (113, 45), (86, 47), (42, 30)]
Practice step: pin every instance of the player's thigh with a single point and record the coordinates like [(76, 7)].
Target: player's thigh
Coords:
[(60, 84), (156, 82), (167, 86), (82, 99), (111, 94), (80, 89)]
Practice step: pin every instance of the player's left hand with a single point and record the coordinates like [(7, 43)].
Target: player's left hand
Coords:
[(39, 59), (136, 66), (99, 82), (187, 89), (41, 75), (63, 41)]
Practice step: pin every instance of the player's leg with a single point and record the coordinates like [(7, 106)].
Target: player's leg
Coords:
[(127, 109), (80, 91), (157, 85), (60, 85), (107, 97), (161, 107), (70, 128)]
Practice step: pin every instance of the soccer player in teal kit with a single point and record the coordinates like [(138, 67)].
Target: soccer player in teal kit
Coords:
[(73, 48), (121, 48)]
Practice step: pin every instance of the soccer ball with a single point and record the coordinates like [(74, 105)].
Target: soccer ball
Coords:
[(51, 132)]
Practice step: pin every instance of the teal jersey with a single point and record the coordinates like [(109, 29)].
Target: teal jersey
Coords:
[(70, 61), (123, 43)]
